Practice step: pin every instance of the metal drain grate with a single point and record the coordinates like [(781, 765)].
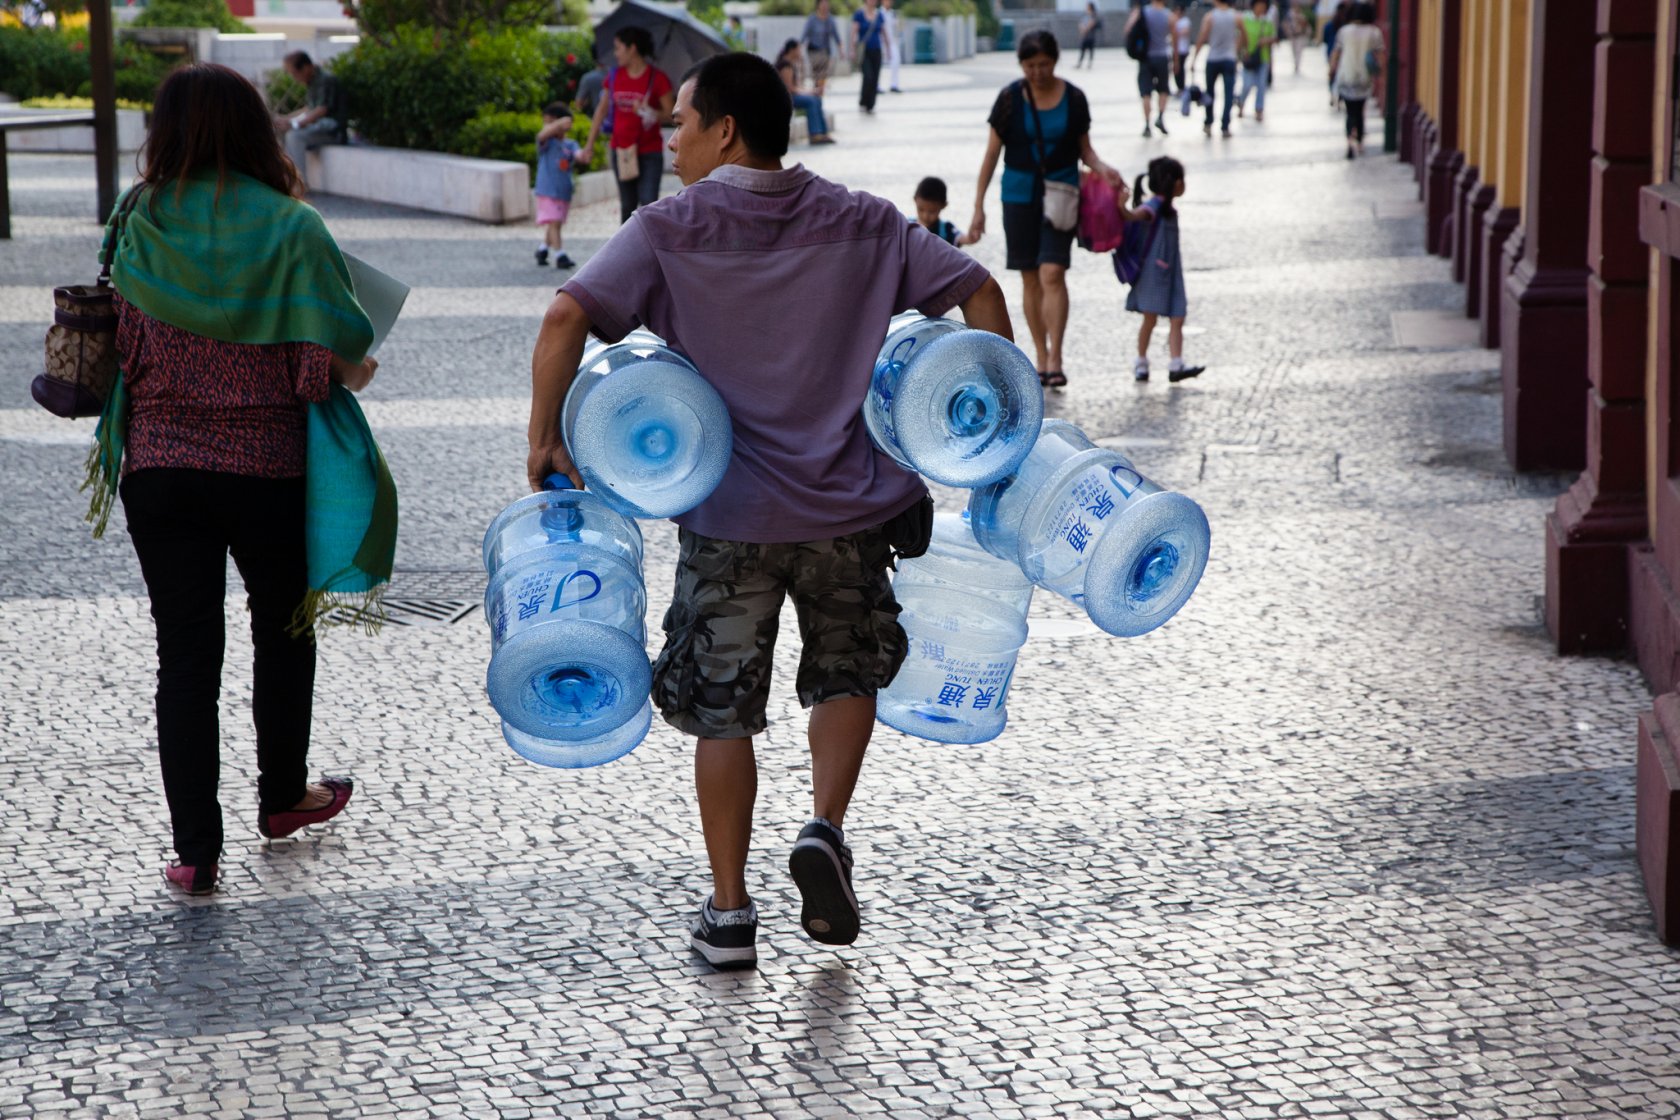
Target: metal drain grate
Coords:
[(429, 597)]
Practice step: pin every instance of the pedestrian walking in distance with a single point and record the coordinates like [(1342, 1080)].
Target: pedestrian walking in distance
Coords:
[(808, 507), (894, 49), (1041, 126), (1159, 288), (235, 311), (869, 28), (1090, 25), (1223, 36), (1155, 68), (557, 154), (821, 42), (1356, 63), (1259, 33), (1181, 39)]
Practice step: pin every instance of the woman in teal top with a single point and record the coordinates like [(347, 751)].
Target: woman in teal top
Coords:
[(1041, 126)]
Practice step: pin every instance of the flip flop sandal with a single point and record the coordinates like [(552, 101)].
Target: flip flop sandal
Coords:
[(1055, 379)]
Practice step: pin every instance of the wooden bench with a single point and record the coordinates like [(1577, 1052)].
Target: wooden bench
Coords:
[(16, 123)]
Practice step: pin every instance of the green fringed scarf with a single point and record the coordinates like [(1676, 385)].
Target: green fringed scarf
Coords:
[(244, 263)]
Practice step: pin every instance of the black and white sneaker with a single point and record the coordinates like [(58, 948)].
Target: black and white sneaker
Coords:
[(561, 260), (726, 938), (542, 258), (821, 866)]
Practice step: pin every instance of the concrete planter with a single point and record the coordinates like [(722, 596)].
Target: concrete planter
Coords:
[(131, 133)]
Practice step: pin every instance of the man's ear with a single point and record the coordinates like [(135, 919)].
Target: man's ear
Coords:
[(728, 132)]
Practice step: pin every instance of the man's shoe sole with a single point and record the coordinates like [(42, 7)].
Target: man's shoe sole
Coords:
[(745, 957), (830, 912)]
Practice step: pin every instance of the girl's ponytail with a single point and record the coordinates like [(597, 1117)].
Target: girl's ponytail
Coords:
[(1137, 191), (1165, 173)]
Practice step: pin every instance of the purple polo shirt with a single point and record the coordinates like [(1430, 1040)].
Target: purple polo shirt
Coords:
[(778, 285)]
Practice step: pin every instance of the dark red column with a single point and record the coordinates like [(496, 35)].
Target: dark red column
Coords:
[(1594, 522), (1444, 158), (1543, 324), (1481, 202), (1501, 223)]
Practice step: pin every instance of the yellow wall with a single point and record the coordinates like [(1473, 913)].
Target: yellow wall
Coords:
[(1513, 104)]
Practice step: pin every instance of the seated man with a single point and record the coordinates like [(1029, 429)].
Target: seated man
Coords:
[(325, 114)]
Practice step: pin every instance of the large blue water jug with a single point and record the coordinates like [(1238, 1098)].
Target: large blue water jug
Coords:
[(647, 432), (965, 613), (566, 754), (960, 406), (1081, 521), (567, 613)]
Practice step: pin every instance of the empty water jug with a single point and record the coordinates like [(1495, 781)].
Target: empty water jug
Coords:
[(965, 613), (960, 406), (647, 432), (568, 755), (1081, 521), (566, 608)]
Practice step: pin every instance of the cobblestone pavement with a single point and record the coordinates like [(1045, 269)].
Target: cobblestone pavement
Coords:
[(1344, 839)]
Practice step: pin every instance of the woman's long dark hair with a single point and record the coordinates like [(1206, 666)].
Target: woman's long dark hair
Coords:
[(208, 116), (1163, 176), (788, 48)]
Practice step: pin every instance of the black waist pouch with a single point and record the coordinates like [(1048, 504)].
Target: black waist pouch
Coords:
[(910, 532)]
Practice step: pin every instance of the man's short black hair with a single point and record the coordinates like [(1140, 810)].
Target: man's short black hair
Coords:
[(745, 87), (932, 189), (297, 60)]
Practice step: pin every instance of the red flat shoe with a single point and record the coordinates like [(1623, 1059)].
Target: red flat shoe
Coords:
[(187, 879), (276, 825)]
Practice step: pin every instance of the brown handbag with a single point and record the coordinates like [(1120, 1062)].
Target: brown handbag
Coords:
[(82, 342)]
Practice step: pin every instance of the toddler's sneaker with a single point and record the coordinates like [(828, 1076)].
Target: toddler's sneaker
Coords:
[(1140, 370), (561, 260), (542, 258), (1181, 372), (726, 938), (821, 866)]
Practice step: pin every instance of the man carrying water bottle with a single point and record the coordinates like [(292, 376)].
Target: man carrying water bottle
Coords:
[(778, 285)]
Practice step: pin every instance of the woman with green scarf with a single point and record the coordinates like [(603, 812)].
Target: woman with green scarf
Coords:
[(232, 432)]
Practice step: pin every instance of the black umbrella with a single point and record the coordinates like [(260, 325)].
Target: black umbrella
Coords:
[(679, 40)]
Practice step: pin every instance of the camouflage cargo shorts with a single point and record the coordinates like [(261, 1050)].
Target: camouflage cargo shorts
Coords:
[(712, 678)]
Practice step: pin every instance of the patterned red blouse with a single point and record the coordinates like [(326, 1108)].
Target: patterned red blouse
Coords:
[(216, 406)]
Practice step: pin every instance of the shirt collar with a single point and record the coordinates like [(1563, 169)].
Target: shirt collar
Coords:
[(760, 182)]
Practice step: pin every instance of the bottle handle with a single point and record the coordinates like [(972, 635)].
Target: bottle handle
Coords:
[(557, 481)]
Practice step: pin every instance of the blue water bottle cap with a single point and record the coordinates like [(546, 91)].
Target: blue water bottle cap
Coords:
[(564, 521)]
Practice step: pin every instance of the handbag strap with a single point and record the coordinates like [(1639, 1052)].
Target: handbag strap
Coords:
[(118, 220), (1038, 126)]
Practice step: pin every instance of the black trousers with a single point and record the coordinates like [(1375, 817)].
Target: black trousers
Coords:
[(184, 523), (871, 77), (1355, 118), (643, 189)]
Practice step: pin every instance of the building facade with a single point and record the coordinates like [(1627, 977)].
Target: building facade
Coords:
[(1542, 135)]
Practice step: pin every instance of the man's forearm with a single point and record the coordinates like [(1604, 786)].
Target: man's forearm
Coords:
[(986, 310), (554, 364)]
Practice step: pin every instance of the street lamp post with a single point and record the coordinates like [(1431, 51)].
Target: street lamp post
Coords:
[(104, 104)]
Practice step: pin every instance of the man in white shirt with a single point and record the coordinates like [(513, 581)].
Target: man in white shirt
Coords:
[(893, 50)]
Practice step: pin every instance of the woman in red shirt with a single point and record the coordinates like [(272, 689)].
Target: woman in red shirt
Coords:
[(639, 98)]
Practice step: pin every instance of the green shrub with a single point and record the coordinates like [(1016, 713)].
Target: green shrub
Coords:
[(501, 135), (513, 136), (841, 8), (457, 19), (568, 56), (935, 9), (709, 12), (417, 89), (986, 19), (38, 62), (191, 13)]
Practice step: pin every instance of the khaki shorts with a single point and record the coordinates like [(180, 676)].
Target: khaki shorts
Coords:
[(820, 65), (712, 678)]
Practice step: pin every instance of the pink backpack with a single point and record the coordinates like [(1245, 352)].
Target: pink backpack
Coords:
[(1100, 224)]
